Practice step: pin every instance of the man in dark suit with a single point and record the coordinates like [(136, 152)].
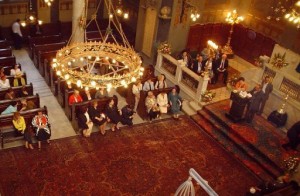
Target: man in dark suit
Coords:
[(253, 107), (267, 88), (198, 66), (221, 67)]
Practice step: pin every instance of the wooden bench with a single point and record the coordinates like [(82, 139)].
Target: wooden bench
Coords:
[(45, 47), (5, 103), (7, 61), (76, 108), (42, 56), (42, 40), (17, 90), (4, 44), (67, 107), (8, 68), (142, 109), (7, 128), (11, 79), (6, 52)]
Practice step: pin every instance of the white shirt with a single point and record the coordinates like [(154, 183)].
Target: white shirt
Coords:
[(148, 85), (160, 84), (199, 66), (137, 88), (16, 28), (162, 100), (87, 117), (4, 84), (222, 64), (264, 87), (14, 72)]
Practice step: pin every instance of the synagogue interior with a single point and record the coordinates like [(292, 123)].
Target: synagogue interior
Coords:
[(150, 97)]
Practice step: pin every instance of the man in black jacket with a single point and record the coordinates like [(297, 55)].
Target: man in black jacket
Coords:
[(267, 88), (253, 107), (221, 66)]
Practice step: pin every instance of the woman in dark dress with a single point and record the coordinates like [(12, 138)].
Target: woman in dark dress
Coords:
[(42, 129), (113, 114), (98, 118), (84, 122)]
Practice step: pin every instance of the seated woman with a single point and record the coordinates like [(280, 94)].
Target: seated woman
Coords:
[(98, 118), (151, 105), (10, 94), (101, 93), (41, 126), (86, 96), (27, 105), (75, 98), (85, 122), (20, 129), (162, 101), (209, 65), (161, 82), (13, 107), (112, 112), (18, 75), (241, 85), (175, 102), (24, 92), (127, 114), (4, 82)]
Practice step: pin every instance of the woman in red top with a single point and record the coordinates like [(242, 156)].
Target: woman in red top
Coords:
[(75, 98)]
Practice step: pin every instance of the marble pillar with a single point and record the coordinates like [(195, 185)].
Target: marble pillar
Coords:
[(78, 19)]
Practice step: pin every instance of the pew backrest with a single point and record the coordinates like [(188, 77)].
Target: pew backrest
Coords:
[(7, 61), (17, 90), (6, 52)]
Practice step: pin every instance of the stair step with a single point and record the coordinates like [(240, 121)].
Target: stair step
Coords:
[(246, 157), (274, 159)]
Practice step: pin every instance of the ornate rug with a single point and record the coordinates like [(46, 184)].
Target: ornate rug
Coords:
[(147, 159)]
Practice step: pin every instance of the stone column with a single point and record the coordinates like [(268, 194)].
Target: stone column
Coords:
[(79, 13)]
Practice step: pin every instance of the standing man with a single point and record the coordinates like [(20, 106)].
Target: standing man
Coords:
[(267, 88), (17, 35), (221, 67), (253, 107)]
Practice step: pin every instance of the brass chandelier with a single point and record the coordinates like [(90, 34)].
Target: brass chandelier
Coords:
[(79, 62)]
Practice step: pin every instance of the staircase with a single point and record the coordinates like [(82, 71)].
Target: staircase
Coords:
[(258, 147)]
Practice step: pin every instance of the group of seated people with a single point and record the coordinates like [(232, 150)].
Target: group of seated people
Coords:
[(211, 63), (18, 77), (40, 125), (89, 116), (13, 107), (162, 103)]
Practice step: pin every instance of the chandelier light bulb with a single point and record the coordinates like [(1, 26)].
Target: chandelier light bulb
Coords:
[(287, 16), (192, 16), (58, 73), (197, 15), (133, 79), (68, 82), (67, 77), (78, 83), (93, 83), (119, 11), (194, 19), (23, 24), (86, 88), (54, 65), (40, 22), (298, 3), (31, 18), (126, 15), (111, 15)]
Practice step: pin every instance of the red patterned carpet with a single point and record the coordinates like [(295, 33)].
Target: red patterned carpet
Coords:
[(147, 159)]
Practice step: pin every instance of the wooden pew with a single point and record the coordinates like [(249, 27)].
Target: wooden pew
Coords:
[(8, 68), (47, 68), (4, 44), (5, 103), (45, 47), (17, 91), (7, 61), (42, 56), (53, 80), (67, 107), (142, 109), (76, 107), (11, 79), (6, 52), (42, 40), (6, 125)]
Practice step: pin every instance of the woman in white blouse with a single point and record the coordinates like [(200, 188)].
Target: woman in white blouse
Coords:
[(162, 101), (136, 88), (18, 74), (161, 82), (4, 83)]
